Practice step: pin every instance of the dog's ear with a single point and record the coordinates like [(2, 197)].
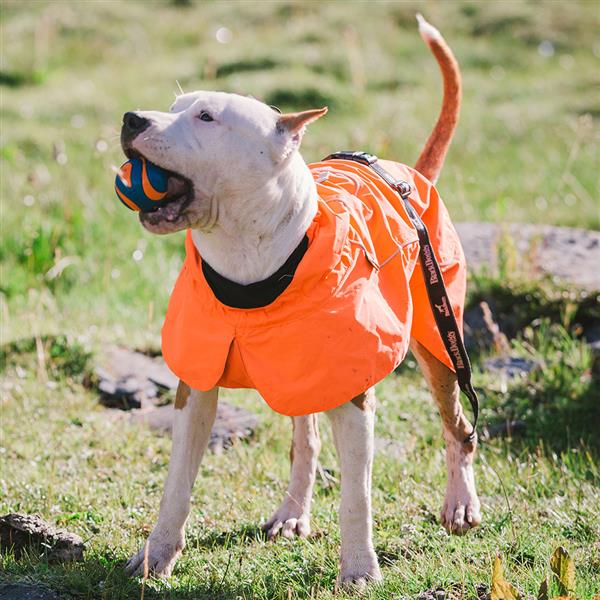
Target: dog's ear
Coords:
[(290, 129), (295, 122)]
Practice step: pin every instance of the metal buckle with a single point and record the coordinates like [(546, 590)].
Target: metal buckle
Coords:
[(365, 157), (403, 188)]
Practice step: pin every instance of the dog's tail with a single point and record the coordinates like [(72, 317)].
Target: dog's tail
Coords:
[(432, 157)]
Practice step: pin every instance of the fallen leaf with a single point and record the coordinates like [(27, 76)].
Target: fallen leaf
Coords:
[(563, 567), (501, 589)]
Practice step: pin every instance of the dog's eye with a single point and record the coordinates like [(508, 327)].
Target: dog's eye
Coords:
[(204, 116)]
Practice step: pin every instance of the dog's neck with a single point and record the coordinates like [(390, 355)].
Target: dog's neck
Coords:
[(257, 230)]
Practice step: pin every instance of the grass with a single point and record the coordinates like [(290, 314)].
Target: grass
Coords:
[(103, 480), (526, 150)]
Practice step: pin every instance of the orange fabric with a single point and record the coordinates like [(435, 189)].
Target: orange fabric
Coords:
[(345, 320)]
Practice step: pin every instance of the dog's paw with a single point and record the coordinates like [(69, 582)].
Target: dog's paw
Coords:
[(358, 569), (288, 520), (461, 510), (161, 557)]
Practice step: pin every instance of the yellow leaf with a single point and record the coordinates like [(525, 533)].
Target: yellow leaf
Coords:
[(563, 567), (497, 569), (501, 589)]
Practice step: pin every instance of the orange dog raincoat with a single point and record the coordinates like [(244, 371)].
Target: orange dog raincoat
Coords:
[(345, 320)]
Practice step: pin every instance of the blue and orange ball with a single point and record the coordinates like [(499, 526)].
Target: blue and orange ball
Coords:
[(142, 185)]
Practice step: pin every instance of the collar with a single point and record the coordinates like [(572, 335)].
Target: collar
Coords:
[(260, 293)]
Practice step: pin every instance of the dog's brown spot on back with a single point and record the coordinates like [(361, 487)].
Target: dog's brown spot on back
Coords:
[(182, 395), (365, 401)]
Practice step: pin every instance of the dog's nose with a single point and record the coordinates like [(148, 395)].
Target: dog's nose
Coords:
[(133, 124)]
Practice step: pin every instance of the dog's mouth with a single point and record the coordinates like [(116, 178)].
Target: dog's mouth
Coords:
[(170, 216)]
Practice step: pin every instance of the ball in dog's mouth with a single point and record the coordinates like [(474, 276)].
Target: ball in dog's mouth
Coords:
[(178, 195)]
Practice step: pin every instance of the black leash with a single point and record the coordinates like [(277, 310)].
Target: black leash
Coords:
[(434, 283)]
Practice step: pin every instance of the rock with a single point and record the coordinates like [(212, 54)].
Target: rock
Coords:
[(126, 393), (504, 429), (129, 379), (510, 367), (20, 532), (26, 591), (159, 419), (133, 381), (232, 423), (565, 254)]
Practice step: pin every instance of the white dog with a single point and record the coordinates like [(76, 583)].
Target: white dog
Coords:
[(240, 185)]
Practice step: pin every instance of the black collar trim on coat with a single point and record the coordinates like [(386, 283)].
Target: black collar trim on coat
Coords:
[(258, 294)]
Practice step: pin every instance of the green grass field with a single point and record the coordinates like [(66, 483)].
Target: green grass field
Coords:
[(526, 150)]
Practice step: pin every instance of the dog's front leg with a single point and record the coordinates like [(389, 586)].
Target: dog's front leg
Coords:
[(195, 413), (461, 510), (353, 425), (293, 516)]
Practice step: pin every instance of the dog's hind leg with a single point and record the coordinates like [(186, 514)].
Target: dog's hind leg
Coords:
[(461, 510), (353, 433), (195, 413), (293, 516)]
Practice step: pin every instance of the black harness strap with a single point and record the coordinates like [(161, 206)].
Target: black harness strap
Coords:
[(434, 283)]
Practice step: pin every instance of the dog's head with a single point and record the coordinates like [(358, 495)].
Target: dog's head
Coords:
[(216, 146)]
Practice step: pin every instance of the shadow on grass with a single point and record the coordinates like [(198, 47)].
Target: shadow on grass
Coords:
[(103, 576), (97, 576), (554, 418), (244, 535), (557, 402)]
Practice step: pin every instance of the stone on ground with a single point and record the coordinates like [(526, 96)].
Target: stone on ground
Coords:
[(232, 423), (136, 383), (20, 532)]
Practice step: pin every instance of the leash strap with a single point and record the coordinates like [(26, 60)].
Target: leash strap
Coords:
[(434, 283)]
